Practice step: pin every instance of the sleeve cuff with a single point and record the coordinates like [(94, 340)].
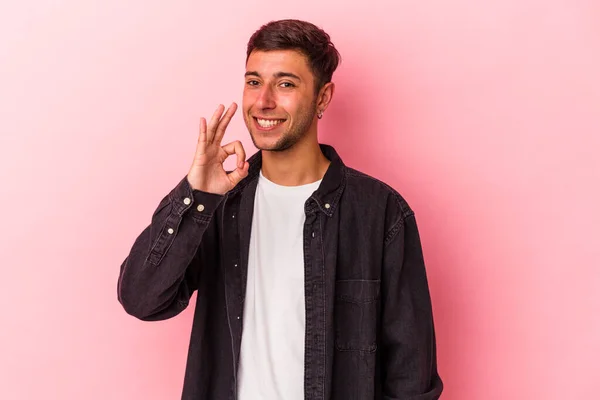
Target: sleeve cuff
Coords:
[(200, 204)]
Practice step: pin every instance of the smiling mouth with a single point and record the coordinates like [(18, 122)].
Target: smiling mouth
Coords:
[(268, 123)]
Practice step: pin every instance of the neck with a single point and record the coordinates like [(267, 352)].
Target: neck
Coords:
[(301, 164)]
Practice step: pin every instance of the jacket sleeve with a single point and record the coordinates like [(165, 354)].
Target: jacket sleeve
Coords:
[(409, 365), (162, 270)]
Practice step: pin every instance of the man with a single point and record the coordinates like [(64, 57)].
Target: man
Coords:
[(309, 274)]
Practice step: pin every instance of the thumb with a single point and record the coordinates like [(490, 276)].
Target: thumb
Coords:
[(238, 174)]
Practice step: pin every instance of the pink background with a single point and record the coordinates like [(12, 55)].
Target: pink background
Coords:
[(485, 115)]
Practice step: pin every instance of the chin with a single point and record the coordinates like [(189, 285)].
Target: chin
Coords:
[(266, 145), (271, 144)]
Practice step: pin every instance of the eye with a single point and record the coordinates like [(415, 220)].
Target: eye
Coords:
[(252, 83), (287, 84)]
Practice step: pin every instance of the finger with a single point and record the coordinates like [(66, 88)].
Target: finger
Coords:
[(201, 147), (225, 122), (237, 149), (214, 122)]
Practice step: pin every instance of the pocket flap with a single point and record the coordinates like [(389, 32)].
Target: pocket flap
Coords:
[(357, 290)]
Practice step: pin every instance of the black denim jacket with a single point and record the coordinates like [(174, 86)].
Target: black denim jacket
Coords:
[(369, 325)]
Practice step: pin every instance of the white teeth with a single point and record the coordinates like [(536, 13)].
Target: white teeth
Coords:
[(268, 123)]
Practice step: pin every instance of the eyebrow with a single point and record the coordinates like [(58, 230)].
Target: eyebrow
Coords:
[(275, 75)]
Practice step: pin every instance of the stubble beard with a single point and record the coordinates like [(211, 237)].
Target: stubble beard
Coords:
[(291, 136)]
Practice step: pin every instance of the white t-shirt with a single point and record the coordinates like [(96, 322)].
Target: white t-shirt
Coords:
[(272, 353)]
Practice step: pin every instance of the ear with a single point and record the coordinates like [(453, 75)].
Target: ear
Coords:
[(325, 96)]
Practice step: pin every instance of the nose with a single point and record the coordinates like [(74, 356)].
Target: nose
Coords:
[(266, 98)]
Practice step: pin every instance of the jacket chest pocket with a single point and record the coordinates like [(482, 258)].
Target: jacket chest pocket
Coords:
[(355, 315)]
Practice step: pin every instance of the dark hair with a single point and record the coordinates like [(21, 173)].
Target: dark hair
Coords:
[(310, 40)]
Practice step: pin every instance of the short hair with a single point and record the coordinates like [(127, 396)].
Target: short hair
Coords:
[(302, 36)]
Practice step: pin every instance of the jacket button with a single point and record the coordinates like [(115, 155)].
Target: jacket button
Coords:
[(187, 201), (327, 205), (170, 230), (200, 207)]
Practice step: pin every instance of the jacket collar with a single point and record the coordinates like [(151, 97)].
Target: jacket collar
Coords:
[(327, 196)]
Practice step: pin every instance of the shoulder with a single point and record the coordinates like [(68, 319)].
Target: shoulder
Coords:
[(378, 201), (371, 191)]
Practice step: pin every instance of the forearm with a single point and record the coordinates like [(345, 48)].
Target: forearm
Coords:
[(162, 269)]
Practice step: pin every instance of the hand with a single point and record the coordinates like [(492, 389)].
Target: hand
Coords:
[(207, 173)]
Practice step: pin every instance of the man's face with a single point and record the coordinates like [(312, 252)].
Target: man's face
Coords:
[(279, 103)]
